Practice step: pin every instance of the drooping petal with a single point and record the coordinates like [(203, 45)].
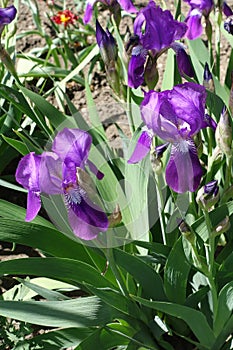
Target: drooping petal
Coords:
[(136, 67), (33, 205), (7, 15), (51, 173), (27, 172), (142, 147), (183, 172), (72, 145), (194, 25), (87, 220)]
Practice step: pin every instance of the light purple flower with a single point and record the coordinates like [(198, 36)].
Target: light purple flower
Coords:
[(175, 116), (27, 174), (152, 34), (62, 171), (193, 20), (127, 5)]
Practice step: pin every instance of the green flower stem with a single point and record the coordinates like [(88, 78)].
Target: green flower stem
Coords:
[(129, 111), (210, 261), (110, 258)]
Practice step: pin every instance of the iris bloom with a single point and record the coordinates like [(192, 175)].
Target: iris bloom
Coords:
[(112, 4), (155, 31), (62, 171), (193, 20), (7, 15), (65, 17), (175, 116)]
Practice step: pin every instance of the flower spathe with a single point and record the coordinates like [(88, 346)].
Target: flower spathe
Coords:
[(175, 116), (62, 171), (150, 29)]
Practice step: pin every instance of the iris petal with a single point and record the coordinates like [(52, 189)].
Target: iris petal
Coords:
[(194, 25), (142, 148), (87, 219), (33, 205), (184, 171)]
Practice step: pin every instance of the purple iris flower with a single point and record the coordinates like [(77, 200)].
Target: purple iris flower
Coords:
[(27, 174), (151, 37), (62, 171), (193, 20), (175, 116), (127, 5), (7, 15)]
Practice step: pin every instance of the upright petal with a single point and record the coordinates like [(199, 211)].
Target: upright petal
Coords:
[(87, 220), (72, 145), (194, 25), (183, 172), (142, 147), (51, 173), (88, 11), (128, 6)]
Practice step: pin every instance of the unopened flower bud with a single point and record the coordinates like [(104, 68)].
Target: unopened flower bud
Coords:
[(187, 233), (183, 60), (7, 61), (208, 195), (115, 218), (223, 133), (156, 156), (222, 227), (107, 45), (228, 25), (151, 74), (208, 78)]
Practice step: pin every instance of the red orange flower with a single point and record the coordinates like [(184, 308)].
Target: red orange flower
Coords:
[(65, 17)]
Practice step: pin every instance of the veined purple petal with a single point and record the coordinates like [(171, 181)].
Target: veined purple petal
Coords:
[(88, 11), (87, 220), (183, 172), (7, 15), (33, 205), (27, 174), (72, 146), (51, 173), (142, 147), (136, 67), (128, 6), (194, 25)]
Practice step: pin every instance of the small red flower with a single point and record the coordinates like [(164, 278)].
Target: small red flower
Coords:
[(65, 17)]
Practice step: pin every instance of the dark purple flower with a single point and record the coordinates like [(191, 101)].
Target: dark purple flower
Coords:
[(27, 174), (151, 30), (193, 20), (226, 9), (63, 172), (107, 45), (7, 15), (125, 4), (175, 116)]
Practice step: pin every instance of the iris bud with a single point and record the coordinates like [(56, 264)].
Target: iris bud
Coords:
[(223, 226), (208, 78), (187, 233), (208, 195), (223, 133)]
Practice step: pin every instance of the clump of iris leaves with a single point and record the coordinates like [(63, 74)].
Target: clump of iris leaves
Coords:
[(135, 244)]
